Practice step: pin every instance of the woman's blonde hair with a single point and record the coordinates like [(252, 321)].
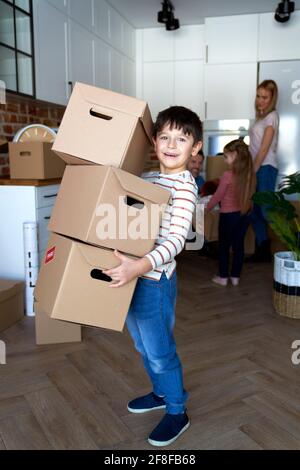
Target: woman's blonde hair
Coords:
[(271, 86), (243, 169)]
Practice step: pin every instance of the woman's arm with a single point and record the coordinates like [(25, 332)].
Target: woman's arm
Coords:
[(264, 148)]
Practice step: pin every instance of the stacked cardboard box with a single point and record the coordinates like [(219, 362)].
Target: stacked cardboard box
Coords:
[(102, 205), (11, 302)]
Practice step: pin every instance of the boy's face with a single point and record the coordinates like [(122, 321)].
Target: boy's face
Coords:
[(174, 148)]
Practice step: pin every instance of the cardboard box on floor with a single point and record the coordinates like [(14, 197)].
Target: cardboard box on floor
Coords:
[(49, 331), (215, 167), (103, 127), (11, 302), (34, 160), (95, 205), (72, 287)]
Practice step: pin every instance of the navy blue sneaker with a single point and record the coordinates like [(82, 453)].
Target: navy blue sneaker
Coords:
[(146, 403), (169, 429)]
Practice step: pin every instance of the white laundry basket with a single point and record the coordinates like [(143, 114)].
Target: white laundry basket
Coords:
[(286, 286)]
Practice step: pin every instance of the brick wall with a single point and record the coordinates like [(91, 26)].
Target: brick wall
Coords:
[(19, 112)]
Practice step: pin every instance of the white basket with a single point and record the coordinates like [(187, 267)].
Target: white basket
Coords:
[(286, 269)]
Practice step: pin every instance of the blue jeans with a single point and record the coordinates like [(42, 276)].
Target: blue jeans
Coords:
[(150, 322), (266, 181)]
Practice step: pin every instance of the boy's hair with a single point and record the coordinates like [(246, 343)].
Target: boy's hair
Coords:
[(180, 118)]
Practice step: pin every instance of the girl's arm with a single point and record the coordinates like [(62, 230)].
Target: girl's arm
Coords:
[(264, 148), (219, 194)]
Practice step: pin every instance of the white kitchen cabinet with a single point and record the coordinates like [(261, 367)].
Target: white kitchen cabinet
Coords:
[(158, 85), (230, 90), (189, 42), (116, 78), (128, 41), (158, 45), (102, 64), (128, 87), (19, 204), (231, 39), (188, 85), (81, 54), (83, 13), (116, 29), (62, 5), (51, 54), (279, 41), (102, 15)]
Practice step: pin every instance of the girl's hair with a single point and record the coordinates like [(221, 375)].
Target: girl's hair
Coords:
[(271, 86), (244, 171)]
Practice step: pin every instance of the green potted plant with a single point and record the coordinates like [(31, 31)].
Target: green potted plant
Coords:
[(285, 222)]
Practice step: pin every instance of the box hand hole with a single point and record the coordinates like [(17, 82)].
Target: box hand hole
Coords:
[(131, 201), (100, 115), (99, 275)]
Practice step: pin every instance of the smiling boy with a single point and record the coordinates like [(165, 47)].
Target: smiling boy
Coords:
[(177, 135)]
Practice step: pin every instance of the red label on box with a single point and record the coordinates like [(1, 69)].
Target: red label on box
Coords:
[(49, 255)]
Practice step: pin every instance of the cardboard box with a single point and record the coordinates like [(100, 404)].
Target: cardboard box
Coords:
[(215, 167), (103, 127), (11, 302), (72, 287), (95, 204), (49, 331), (34, 160)]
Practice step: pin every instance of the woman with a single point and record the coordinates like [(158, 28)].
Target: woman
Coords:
[(263, 147)]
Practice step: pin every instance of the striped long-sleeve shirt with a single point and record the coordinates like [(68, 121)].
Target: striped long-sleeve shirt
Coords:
[(175, 223)]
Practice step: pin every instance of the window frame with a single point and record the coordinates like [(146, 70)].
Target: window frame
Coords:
[(16, 50)]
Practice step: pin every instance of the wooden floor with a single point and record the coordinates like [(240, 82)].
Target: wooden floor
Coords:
[(236, 353)]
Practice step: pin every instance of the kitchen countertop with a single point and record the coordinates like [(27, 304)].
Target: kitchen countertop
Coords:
[(26, 182)]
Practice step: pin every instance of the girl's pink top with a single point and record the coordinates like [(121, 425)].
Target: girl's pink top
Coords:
[(225, 194)]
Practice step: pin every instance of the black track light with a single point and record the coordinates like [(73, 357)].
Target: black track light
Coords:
[(284, 10), (172, 23), (163, 15), (166, 16)]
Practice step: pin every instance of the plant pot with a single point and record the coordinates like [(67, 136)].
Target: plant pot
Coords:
[(286, 285)]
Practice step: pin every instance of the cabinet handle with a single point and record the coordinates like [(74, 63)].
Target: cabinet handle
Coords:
[(47, 217), (50, 195), (205, 110), (206, 53), (71, 86)]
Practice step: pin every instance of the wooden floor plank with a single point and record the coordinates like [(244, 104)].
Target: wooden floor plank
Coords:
[(236, 356), (60, 425)]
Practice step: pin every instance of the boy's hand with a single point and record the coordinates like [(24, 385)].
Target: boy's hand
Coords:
[(128, 270)]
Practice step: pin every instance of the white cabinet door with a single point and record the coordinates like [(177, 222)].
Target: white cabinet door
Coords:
[(116, 29), (189, 42), (102, 19), (51, 54), (102, 64), (129, 77), (128, 41), (230, 91), (158, 85), (82, 12), (158, 44), (279, 41), (231, 39), (116, 71), (188, 87), (60, 4), (81, 57)]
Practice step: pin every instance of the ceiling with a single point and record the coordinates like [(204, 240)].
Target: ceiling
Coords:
[(143, 13)]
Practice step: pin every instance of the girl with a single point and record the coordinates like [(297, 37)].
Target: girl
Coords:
[(234, 193), (263, 145)]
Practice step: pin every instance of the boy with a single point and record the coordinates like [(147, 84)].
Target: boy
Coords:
[(177, 135)]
